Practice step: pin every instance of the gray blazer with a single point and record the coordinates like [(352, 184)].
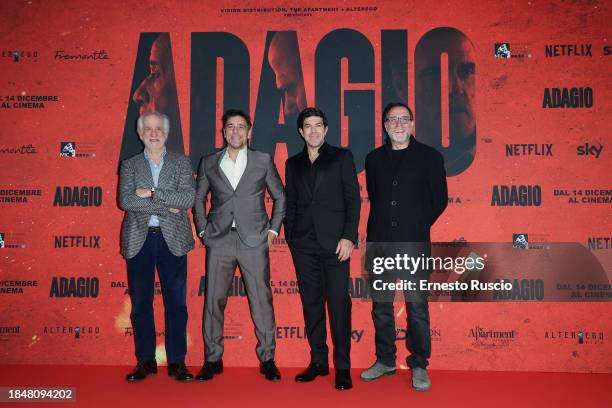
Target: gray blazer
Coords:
[(246, 205), (175, 189)]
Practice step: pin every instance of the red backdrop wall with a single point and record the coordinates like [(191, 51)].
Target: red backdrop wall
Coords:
[(91, 105)]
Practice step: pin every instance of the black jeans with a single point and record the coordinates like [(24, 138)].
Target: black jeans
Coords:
[(418, 336), (418, 339)]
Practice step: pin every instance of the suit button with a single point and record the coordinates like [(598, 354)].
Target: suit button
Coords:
[(393, 224), (395, 183), (231, 213), (394, 203)]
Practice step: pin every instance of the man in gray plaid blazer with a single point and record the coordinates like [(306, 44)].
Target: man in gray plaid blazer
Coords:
[(156, 189)]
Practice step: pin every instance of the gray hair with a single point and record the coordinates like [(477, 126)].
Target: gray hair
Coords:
[(141, 118)]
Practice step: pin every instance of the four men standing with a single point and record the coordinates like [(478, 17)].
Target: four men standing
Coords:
[(407, 189)]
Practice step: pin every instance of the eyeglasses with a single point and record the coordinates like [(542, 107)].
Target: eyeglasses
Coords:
[(404, 120)]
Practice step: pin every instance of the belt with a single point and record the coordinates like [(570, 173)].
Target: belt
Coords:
[(155, 230)]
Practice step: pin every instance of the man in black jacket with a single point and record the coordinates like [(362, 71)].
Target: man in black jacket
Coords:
[(321, 224), (406, 184)]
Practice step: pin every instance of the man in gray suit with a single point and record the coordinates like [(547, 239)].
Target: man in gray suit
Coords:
[(156, 189), (237, 231)]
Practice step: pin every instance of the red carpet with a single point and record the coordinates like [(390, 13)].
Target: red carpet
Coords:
[(244, 387)]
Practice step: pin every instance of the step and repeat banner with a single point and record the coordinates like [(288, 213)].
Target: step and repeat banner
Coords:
[(515, 96)]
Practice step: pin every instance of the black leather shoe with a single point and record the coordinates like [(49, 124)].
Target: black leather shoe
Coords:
[(313, 370), (180, 372), (268, 368), (143, 368), (343, 380), (209, 369)]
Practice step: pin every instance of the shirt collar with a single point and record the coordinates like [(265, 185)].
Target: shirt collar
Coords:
[(241, 153), (146, 155), (323, 149)]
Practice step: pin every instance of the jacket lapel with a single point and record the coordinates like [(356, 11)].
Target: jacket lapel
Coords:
[(220, 172), (302, 163), (323, 161), (166, 170), (145, 170), (247, 170)]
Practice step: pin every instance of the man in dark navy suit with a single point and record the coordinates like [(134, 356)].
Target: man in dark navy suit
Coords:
[(322, 218)]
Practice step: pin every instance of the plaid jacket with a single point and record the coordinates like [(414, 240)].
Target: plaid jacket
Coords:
[(175, 189)]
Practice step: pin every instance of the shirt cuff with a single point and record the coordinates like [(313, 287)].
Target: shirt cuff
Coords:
[(274, 232)]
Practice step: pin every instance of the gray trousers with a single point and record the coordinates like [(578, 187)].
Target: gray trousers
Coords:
[(221, 262)]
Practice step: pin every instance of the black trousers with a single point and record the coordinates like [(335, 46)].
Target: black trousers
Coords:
[(322, 278), (173, 277)]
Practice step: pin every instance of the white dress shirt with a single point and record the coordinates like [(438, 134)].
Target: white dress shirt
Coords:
[(234, 170)]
